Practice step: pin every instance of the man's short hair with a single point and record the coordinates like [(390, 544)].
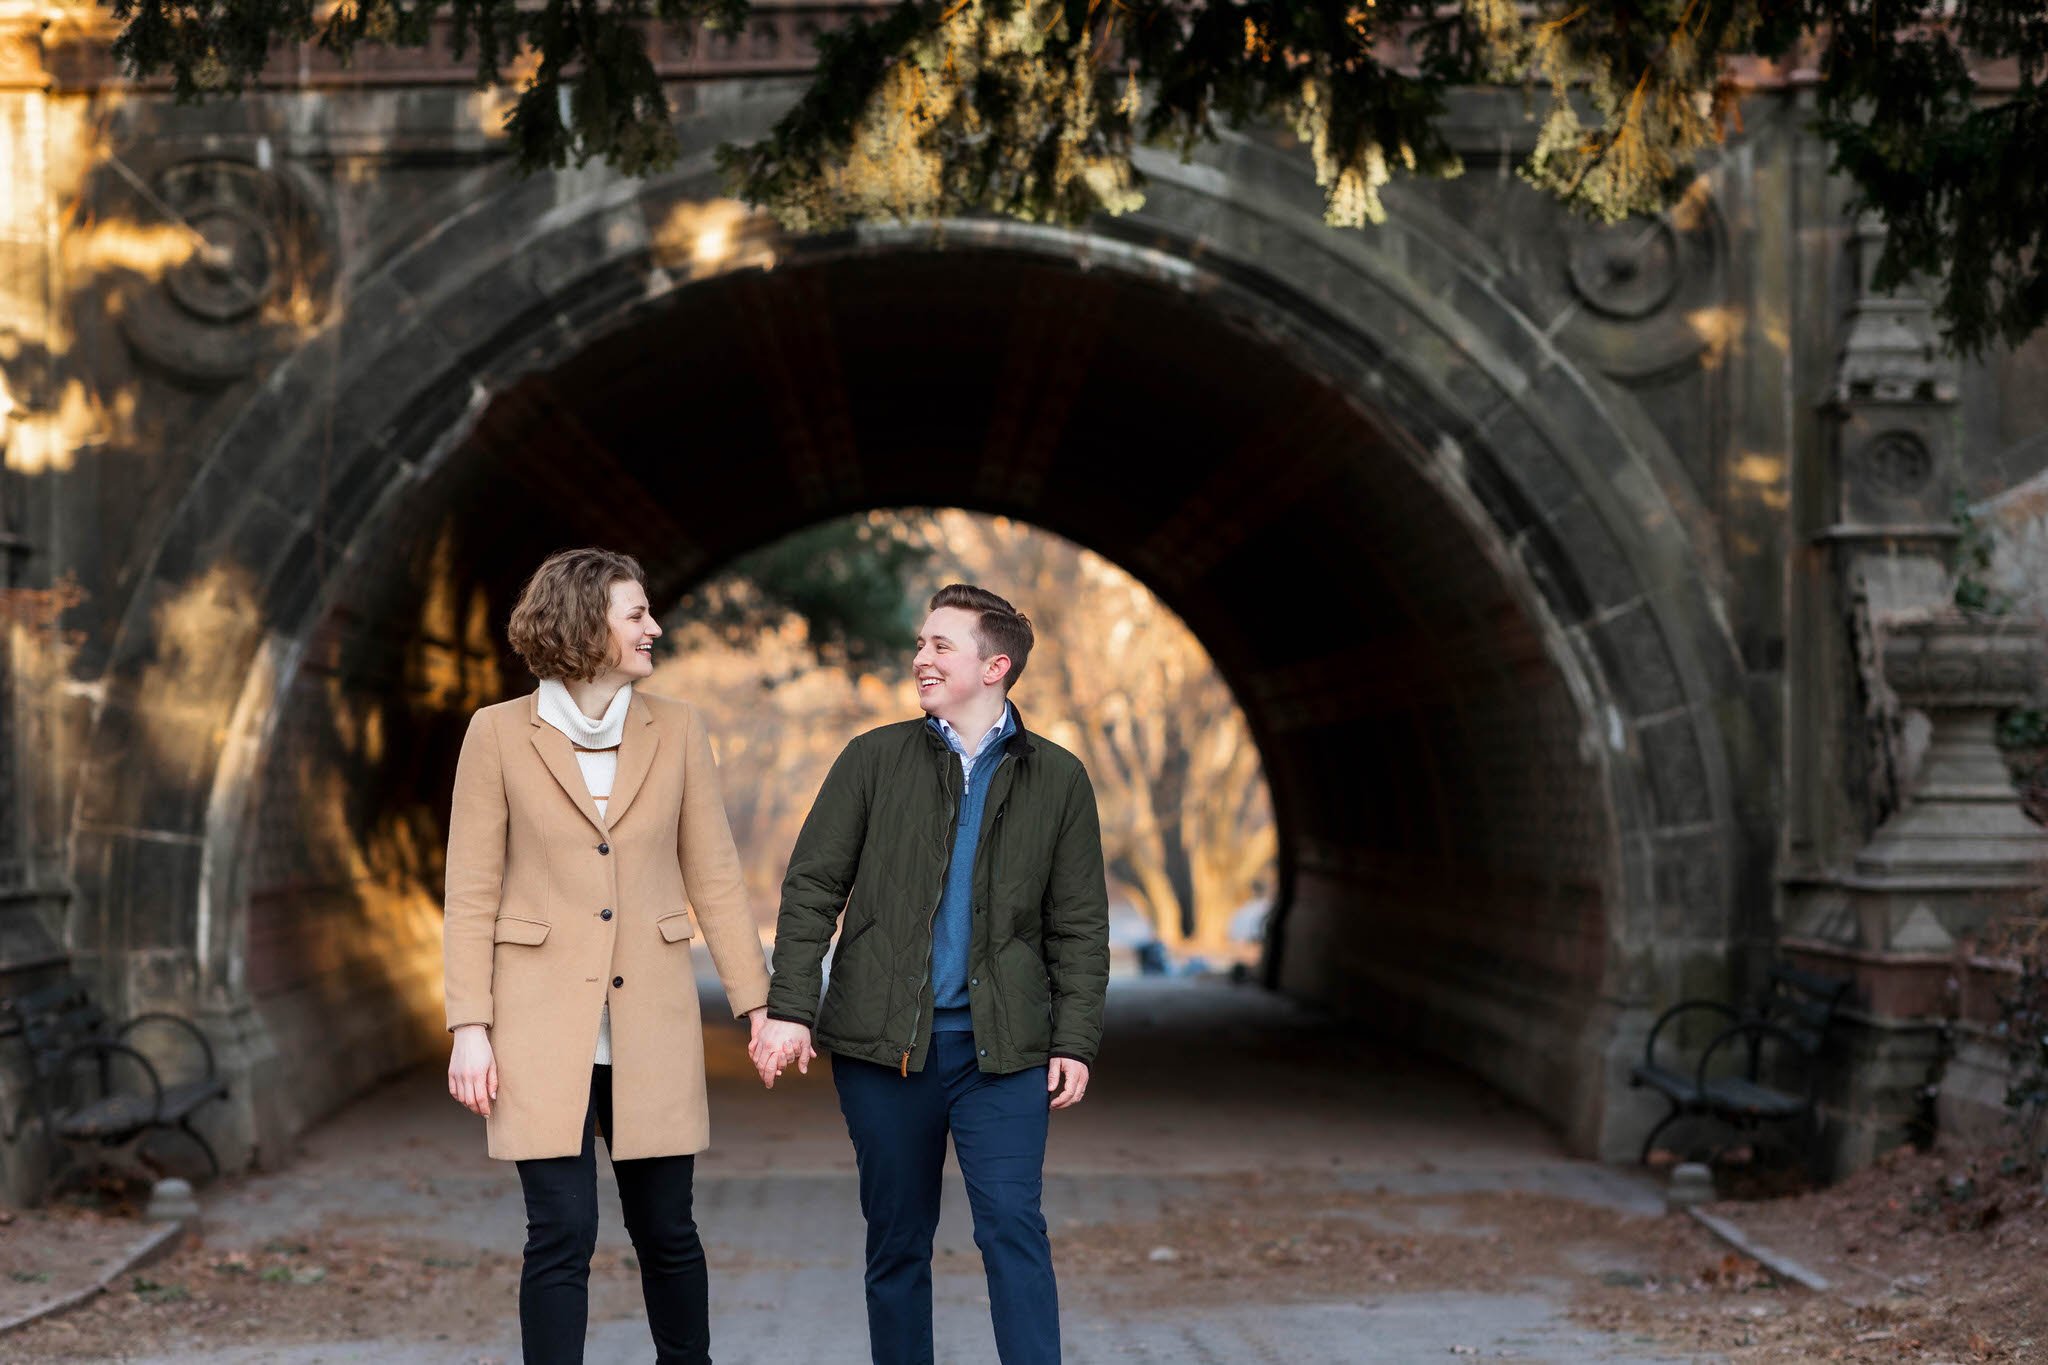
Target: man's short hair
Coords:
[(561, 625), (999, 629)]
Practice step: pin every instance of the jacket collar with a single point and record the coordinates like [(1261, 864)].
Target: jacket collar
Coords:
[(636, 757), (1020, 742)]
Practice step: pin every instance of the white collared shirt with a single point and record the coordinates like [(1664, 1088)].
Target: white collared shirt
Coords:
[(954, 742)]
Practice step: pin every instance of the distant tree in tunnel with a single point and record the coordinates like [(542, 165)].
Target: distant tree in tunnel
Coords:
[(1187, 822), (1033, 107), (852, 580), (1188, 828)]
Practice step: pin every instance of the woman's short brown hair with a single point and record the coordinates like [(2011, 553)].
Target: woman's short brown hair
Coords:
[(561, 624)]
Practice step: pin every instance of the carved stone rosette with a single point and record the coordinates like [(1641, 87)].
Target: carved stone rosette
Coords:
[(1893, 401), (1960, 829), (1648, 291), (255, 280)]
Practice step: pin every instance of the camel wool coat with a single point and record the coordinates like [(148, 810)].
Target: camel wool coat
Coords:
[(553, 909)]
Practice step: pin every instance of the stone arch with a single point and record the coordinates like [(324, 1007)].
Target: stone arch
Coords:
[(1555, 486)]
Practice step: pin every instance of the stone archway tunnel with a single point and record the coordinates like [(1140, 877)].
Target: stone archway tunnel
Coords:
[(1456, 588), (1451, 869)]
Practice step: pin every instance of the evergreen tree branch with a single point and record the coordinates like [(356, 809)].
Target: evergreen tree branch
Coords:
[(1034, 108)]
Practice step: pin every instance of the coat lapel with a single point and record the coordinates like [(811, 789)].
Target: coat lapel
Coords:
[(636, 756), (560, 756)]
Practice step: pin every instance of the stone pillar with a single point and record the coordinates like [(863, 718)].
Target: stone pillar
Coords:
[(29, 950), (1942, 844), (27, 342)]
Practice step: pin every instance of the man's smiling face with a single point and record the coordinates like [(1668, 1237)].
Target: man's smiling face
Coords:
[(950, 672)]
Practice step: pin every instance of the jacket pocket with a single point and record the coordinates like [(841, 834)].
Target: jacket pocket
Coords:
[(847, 941), (1029, 996), (530, 932), (674, 928)]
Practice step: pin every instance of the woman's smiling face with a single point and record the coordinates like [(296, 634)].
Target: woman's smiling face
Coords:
[(634, 631)]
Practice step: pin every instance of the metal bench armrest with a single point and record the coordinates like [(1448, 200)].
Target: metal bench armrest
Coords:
[(158, 1017), (1756, 1030), (99, 1047), (1714, 1006)]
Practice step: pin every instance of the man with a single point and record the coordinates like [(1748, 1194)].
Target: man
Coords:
[(966, 992)]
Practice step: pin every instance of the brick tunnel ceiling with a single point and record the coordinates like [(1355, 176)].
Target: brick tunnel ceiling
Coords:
[(1422, 751)]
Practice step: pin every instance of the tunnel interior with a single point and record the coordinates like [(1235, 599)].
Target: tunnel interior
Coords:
[(1447, 846)]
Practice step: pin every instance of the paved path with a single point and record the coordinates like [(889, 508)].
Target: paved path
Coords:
[(1399, 1330), (1203, 1079)]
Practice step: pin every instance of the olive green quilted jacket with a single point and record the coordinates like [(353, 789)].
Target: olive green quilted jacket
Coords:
[(876, 845)]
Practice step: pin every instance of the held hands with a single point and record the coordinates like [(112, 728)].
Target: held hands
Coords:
[(473, 1069), (776, 1044)]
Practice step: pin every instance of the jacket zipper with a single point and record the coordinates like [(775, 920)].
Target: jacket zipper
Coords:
[(953, 823), (995, 828)]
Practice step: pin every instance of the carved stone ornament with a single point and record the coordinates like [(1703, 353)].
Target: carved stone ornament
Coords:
[(1896, 464), (1648, 290), (255, 278), (1946, 659), (1890, 351), (1627, 271), (1961, 829)]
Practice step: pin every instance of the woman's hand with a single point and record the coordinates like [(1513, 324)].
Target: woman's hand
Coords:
[(473, 1070), (776, 1043)]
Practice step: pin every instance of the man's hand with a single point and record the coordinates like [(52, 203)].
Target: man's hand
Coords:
[(473, 1069), (1067, 1081), (777, 1043)]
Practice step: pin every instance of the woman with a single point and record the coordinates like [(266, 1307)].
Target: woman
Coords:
[(584, 813)]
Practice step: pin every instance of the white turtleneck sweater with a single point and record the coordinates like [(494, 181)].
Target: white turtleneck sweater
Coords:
[(597, 754)]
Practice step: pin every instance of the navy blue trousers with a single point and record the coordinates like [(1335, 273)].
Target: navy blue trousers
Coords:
[(561, 1234), (899, 1126)]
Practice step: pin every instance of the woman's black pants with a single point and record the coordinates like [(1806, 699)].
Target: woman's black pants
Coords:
[(561, 1234)]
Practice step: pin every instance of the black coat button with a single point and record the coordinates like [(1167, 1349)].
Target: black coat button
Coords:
[(604, 848), (974, 981), (605, 913), (618, 981)]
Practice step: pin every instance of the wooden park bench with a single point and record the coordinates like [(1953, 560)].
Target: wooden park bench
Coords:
[(1760, 1066), (96, 1092)]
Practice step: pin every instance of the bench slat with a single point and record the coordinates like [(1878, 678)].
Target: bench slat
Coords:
[(1667, 1082), (54, 1032), (181, 1099), (116, 1116), (1734, 1095), (119, 1116), (57, 996)]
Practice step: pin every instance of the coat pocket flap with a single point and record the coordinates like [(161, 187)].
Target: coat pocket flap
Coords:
[(527, 931), (674, 928)]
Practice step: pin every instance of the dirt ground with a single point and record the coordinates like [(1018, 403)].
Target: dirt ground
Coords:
[(290, 1291), (1933, 1258), (1937, 1256)]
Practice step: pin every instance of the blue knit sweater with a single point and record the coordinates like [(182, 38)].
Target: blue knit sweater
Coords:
[(953, 926)]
